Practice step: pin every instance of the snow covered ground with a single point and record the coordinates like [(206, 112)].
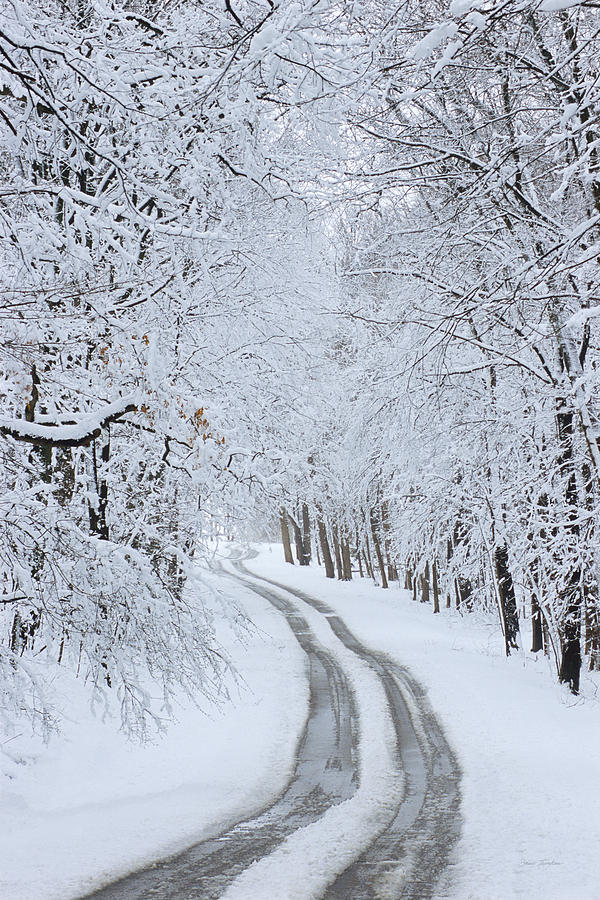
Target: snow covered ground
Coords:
[(91, 806), (530, 752)]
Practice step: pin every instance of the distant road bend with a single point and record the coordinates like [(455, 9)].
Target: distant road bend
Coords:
[(411, 854)]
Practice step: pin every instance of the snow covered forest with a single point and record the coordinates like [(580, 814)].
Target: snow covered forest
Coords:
[(324, 265)]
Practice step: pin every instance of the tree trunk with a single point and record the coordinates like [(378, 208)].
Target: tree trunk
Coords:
[(376, 544), (592, 634), (449, 552), (385, 524), (346, 560), (570, 664), (425, 584), (464, 591), (358, 556), (436, 587), (538, 624), (537, 634), (325, 550), (368, 557), (285, 537), (98, 514), (592, 598), (297, 539), (337, 552), (306, 550), (98, 510), (16, 634), (64, 475), (368, 566), (506, 599), (24, 630)]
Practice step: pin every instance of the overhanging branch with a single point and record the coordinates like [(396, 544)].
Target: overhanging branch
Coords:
[(76, 434)]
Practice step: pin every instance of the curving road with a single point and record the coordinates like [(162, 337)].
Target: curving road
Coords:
[(406, 860)]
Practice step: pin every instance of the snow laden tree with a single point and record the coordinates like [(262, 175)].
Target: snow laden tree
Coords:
[(101, 435), (484, 259), (132, 138)]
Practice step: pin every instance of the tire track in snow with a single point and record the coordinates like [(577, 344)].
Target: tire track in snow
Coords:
[(413, 845), (408, 859), (325, 774)]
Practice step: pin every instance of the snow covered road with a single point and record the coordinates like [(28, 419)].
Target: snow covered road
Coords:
[(371, 810)]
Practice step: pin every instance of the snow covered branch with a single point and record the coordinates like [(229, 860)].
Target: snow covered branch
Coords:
[(72, 434)]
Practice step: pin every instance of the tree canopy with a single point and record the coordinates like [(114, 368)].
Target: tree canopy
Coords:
[(335, 259)]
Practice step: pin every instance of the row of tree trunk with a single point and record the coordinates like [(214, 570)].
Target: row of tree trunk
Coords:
[(370, 547), (370, 552)]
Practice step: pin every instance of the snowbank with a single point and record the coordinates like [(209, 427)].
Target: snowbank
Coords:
[(92, 807)]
